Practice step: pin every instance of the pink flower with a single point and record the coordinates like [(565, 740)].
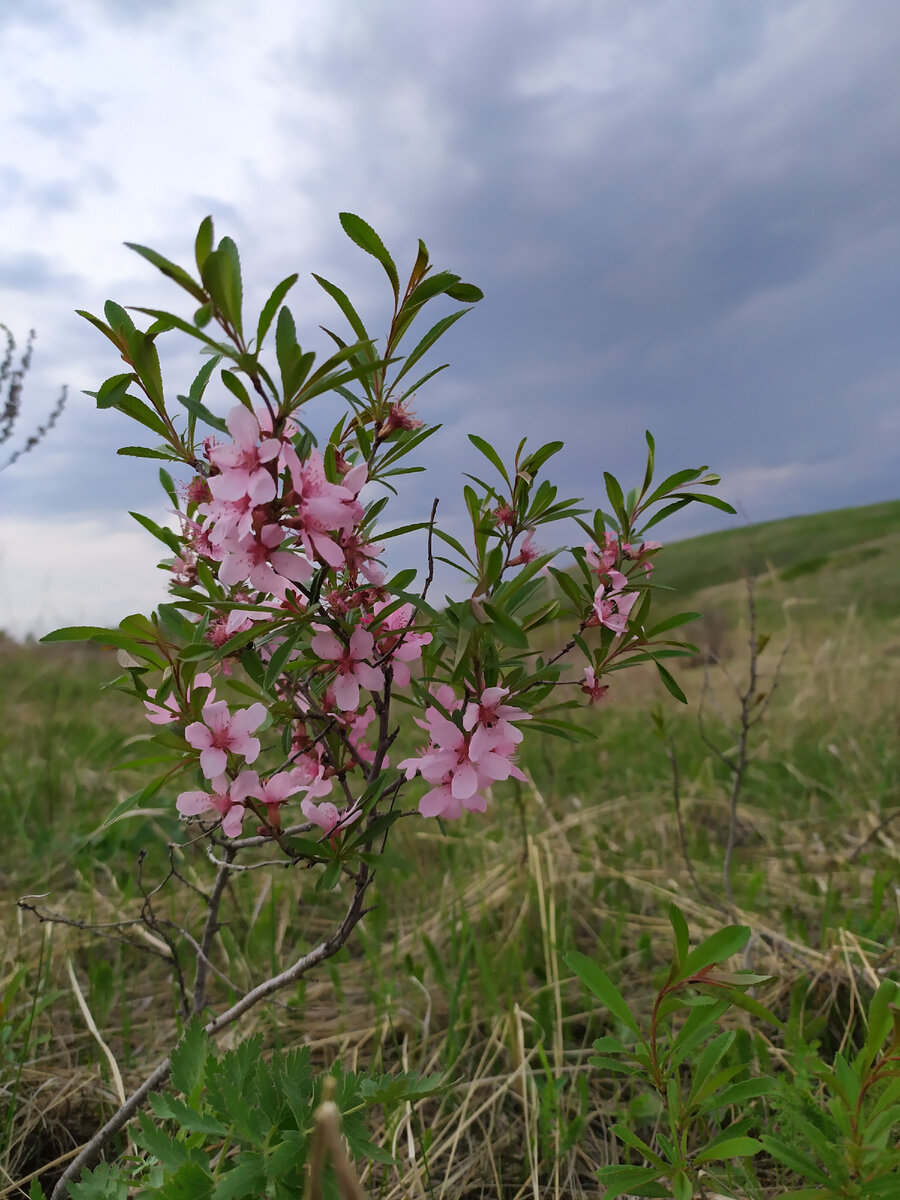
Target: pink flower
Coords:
[(400, 416), (528, 552), (591, 688), (359, 557), (170, 709), (611, 607), (328, 817), (243, 464), (461, 764), (220, 733), (397, 639), (494, 717), (352, 669), (601, 561), (225, 797), (322, 507), (266, 568)]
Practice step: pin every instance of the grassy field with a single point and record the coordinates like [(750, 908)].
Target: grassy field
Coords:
[(459, 968)]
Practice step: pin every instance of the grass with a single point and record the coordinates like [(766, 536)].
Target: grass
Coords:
[(458, 969)]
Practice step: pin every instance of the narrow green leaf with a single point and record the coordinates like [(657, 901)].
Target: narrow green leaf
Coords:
[(367, 239), (271, 307), (145, 452), (171, 270), (602, 986), (670, 683), (343, 303), (490, 454), (202, 413), (204, 242)]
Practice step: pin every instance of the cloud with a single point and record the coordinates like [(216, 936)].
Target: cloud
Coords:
[(82, 572), (33, 272)]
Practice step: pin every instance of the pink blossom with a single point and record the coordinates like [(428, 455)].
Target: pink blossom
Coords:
[(170, 709), (397, 639), (495, 717), (220, 733), (328, 817), (308, 771), (243, 464), (400, 416), (611, 607), (221, 798), (360, 556), (272, 791), (528, 552), (601, 561), (591, 688), (460, 764), (352, 669), (266, 568), (322, 507)]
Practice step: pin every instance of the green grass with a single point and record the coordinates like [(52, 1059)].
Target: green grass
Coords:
[(832, 552), (457, 968)]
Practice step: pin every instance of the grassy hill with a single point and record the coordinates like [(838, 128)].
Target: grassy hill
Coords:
[(833, 560)]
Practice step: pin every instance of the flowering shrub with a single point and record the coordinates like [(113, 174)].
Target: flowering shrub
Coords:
[(272, 676)]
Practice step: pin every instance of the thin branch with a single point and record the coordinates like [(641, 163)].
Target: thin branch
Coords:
[(210, 929)]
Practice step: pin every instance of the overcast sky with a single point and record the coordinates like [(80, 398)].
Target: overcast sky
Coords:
[(685, 216)]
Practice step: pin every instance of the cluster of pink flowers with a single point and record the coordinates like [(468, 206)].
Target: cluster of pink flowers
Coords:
[(465, 756), (268, 521)]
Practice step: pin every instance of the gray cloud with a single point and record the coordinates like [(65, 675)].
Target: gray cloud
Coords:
[(684, 222)]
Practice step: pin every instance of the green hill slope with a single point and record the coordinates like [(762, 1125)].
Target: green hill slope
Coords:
[(833, 559)]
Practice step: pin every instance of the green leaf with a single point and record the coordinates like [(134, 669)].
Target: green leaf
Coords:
[(619, 1180), (717, 948), (170, 1108), (221, 273), (880, 1022), (204, 242), (171, 270), (670, 683), (468, 293), (202, 413), (343, 303), (504, 627), (673, 622), (603, 988), (367, 239), (144, 452), (166, 536), (712, 501), (616, 499), (189, 1059), (630, 1138), (736, 1147), (135, 800), (424, 345), (113, 390), (490, 454), (271, 307)]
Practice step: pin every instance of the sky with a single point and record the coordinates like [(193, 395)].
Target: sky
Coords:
[(685, 217)]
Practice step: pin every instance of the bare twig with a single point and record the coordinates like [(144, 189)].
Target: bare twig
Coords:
[(210, 929)]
